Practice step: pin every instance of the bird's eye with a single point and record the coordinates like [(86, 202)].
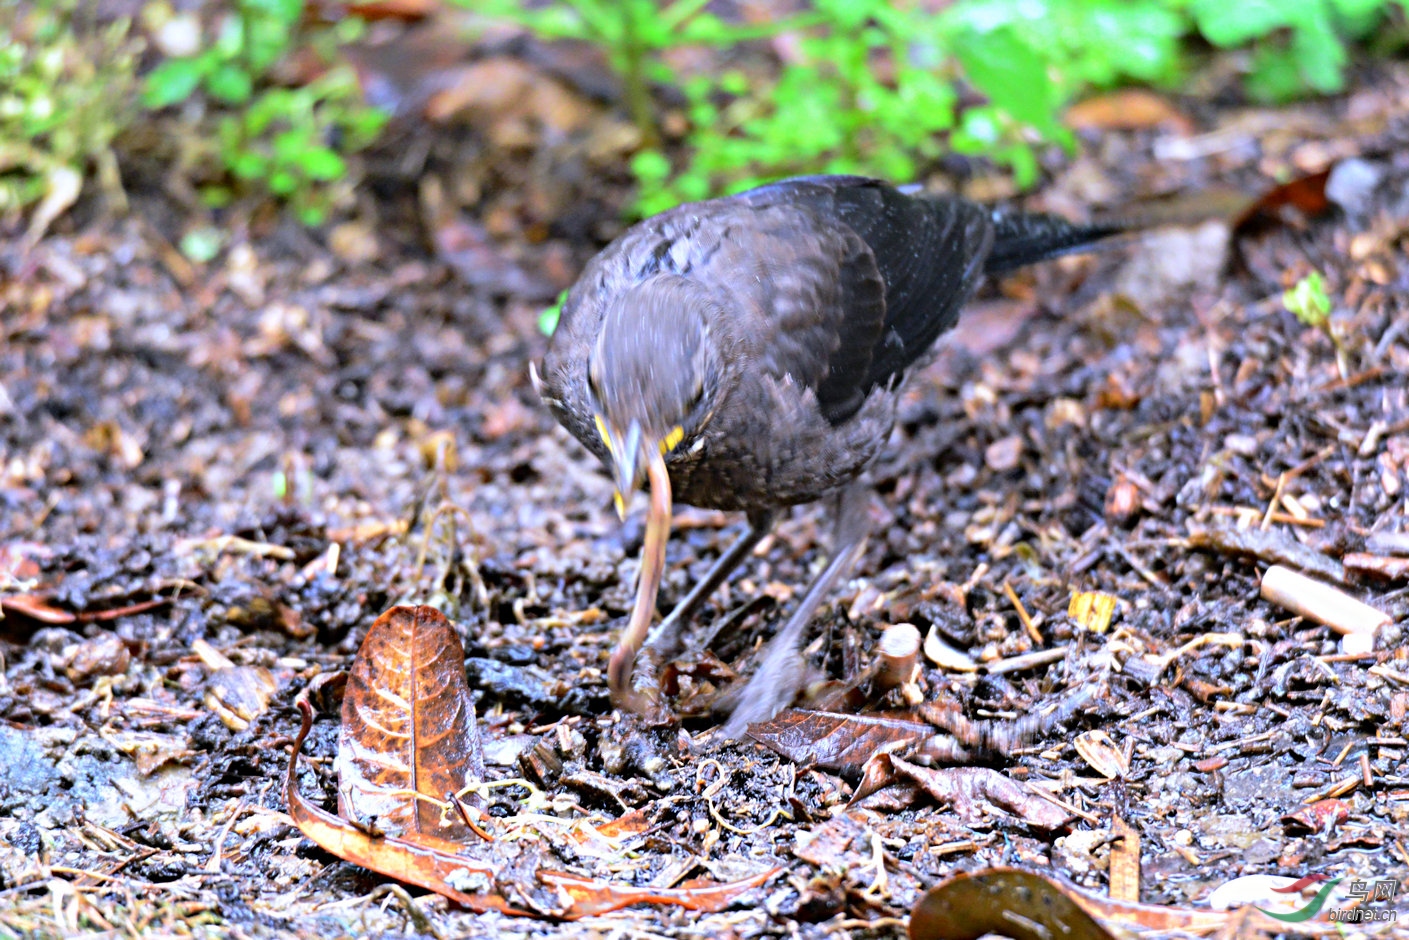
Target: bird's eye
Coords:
[(697, 396), (592, 387)]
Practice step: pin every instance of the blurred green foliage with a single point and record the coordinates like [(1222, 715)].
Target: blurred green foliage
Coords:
[(633, 34), (1309, 301), (880, 87), (288, 141), (877, 87), (64, 98)]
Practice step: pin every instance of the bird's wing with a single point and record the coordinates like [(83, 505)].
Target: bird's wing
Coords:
[(927, 252), (808, 290)]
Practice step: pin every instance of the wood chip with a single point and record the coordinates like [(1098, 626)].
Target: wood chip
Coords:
[(1320, 602)]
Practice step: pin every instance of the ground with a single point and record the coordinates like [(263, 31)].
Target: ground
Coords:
[(255, 457)]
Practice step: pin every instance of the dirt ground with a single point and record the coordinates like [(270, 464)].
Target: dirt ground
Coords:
[(255, 457)]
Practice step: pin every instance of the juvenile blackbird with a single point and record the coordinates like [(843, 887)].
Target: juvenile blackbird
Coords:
[(746, 353)]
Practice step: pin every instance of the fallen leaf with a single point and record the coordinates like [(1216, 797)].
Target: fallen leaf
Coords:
[(976, 793), (1125, 860), (834, 741), (1002, 901), (408, 738), (1320, 817), (1127, 109), (589, 896), (1028, 906), (35, 607)]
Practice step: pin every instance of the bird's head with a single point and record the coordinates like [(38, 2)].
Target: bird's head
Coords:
[(654, 375)]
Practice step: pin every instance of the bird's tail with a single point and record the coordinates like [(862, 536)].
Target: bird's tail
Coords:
[(1022, 238)]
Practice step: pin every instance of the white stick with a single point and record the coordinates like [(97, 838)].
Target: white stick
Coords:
[(1320, 602)]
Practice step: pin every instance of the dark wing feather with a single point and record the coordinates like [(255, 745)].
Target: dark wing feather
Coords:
[(809, 289), (929, 253)]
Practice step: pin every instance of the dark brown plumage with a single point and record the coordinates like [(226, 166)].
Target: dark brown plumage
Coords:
[(751, 348)]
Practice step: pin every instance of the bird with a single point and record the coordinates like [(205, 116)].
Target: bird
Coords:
[(747, 353)]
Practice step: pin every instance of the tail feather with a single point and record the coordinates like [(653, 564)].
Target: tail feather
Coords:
[(1023, 238)]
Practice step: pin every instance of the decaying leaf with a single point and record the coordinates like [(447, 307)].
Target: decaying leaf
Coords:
[(585, 897), (408, 738), (1125, 860), (1023, 905), (837, 742), (972, 793), (426, 865), (1002, 901)]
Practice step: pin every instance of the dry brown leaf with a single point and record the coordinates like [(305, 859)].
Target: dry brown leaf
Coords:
[(585, 897), (1128, 109), (1027, 906), (438, 864), (1125, 861), (1003, 901), (408, 738), (978, 792), (834, 741)]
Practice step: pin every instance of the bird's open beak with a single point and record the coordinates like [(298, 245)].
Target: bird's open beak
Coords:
[(628, 464)]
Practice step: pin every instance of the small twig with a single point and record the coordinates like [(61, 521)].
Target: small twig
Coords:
[(1024, 661), (1023, 615)]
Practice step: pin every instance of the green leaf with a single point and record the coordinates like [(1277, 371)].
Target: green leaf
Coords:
[(1320, 53), (229, 84), (247, 165), (1012, 75), (173, 81), (1309, 300), (1234, 22), (282, 182), (230, 41), (548, 317), (323, 164)]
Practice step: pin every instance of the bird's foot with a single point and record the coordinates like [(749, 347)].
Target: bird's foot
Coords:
[(773, 687)]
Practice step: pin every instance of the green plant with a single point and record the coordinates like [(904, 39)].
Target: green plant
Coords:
[(290, 141), (548, 317), (1309, 301), (64, 97), (875, 86), (831, 110), (1297, 45)]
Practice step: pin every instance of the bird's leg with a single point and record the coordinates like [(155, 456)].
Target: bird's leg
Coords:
[(664, 642), (665, 638), (780, 672)]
